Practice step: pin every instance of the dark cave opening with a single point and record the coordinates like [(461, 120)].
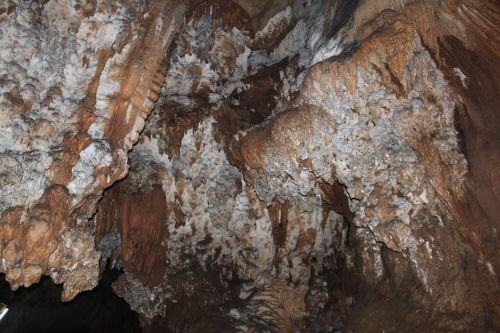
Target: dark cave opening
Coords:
[(39, 309)]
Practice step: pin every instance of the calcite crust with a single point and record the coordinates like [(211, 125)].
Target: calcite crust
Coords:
[(277, 145)]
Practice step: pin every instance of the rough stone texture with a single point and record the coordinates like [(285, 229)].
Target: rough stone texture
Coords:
[(78, 80), (214, 218), (305, 163), (381, 123)]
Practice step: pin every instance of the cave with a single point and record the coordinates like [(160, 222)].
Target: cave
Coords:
[(250, 166), (39, 309)]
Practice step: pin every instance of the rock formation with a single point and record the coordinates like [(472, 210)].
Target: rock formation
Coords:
[(257, 166)]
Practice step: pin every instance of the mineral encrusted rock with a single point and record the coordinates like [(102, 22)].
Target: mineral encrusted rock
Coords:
[(268, 165), (78, 80)]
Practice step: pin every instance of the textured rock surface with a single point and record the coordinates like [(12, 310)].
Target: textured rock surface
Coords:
[(290, 165), (78, 80)]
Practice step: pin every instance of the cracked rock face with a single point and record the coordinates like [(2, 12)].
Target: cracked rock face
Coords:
[(256, 166)]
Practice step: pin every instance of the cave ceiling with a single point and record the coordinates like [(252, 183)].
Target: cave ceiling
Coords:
[(280, 144)]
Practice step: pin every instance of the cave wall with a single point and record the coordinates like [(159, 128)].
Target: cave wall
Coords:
[(78, 80), (261, 141)]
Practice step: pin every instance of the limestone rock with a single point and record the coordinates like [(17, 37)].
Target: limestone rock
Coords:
[(75, 92), (256, 166)]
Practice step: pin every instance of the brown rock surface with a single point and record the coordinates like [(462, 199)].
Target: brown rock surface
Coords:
[(140, 218), (74, 150), (269, 165)]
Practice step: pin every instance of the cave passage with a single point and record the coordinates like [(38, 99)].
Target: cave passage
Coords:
[(255, 166), (39, 309)]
